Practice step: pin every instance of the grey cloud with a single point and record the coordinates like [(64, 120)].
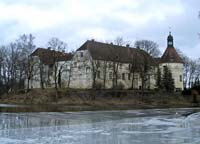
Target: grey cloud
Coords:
[(146, 20)]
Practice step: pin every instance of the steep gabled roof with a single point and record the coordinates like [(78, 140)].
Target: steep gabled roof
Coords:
[(171, 56), (48, 56), (111, 52)]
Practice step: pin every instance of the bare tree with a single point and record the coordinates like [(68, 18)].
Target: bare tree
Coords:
[(186, 71), (2, 58), (3, 70), (14, 61), (13, 65), (25, 45), (191, 71), (197, 73), (105, 68), (116, 59), (41, 70), (95, 70), (57, 46), (69, 74), (29, 70), (186, 66), (144, 69), (147, 49), (149, 46), (134, 67), (120, 41), (70, 69), (5, 67)]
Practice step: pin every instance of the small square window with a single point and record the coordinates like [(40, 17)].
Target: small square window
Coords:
[(51, 66), (123, 76), (129, 76), (98, 64), (110, 75), (110, 65), (129, 66), (87, 69), (99, 74), (75, 64), (120, 66)]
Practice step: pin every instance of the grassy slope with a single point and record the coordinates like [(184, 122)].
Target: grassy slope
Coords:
[(126, 99)]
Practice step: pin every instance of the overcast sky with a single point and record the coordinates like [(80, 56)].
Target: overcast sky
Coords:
[(75, 21)]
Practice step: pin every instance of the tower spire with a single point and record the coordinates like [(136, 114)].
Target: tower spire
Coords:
[(170, 30), (170, 41)]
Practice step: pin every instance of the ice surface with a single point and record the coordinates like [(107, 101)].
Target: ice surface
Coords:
[(169, 126)]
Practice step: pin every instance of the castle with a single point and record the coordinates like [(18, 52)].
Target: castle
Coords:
[(101, 65)]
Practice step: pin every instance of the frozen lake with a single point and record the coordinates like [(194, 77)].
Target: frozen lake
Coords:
[(167, 126)]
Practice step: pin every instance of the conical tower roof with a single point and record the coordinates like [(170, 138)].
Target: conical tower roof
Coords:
[(170, 55)]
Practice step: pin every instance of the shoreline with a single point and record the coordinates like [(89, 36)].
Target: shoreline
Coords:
[(78, 108), (78, 100)]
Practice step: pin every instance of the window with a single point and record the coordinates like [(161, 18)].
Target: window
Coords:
[(75, 64), (87, 69), (98, 74), (123, 76), (164, 67), (110, 75), (129, 66), (120, 66), (129, 76), (51, 66), (81, 54), (110, 65), (98, 64), (181, 78)]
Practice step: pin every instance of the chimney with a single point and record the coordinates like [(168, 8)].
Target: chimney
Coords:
[(92, 40), (49, 48), (111, 43), (127, 45)]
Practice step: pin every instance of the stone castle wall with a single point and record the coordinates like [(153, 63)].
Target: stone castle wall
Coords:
[(177, 73)]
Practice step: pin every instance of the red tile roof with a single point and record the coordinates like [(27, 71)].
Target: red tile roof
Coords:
[(171, 56), (109, 52), (48, 56)]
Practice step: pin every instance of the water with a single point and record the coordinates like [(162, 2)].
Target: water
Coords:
[(167, 126)]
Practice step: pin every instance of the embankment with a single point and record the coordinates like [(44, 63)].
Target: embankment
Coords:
[(101, 99)]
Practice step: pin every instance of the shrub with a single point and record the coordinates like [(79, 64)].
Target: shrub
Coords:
[(120, 86), (98, 86)]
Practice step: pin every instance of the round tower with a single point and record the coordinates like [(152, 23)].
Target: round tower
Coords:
[(174, 62)]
